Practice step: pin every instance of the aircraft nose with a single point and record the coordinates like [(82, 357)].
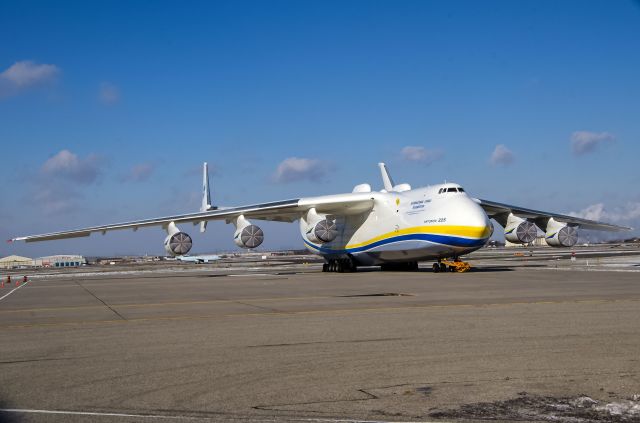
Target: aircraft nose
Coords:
[(477, 218)]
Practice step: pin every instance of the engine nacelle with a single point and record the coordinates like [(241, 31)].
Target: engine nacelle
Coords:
[(519, 230), (323, 231), (247, 235), (560, 234), (178, 244)]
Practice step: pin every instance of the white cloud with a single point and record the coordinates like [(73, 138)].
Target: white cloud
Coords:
[(295, 169), (139, 173), (502, 156), (68, 165), (622, 215), (583, 142), (109, 93), (26, 74), (420, 154), (56, 189)]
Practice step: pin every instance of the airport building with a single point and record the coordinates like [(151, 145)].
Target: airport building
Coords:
[(16, 262), (60, 261)]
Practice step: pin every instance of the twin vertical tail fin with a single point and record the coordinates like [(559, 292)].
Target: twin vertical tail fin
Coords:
[(206, 195)]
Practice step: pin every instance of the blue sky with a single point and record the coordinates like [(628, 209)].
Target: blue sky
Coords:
[(107, 109)]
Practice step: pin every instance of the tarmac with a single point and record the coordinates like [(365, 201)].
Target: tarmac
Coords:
[(528, 338)]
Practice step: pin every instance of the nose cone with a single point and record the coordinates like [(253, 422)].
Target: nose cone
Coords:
[(472, 220), (477, 217)]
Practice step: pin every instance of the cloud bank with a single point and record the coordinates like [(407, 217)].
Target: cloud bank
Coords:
[(420, 154), (57, 187), (26, 74), (502, 156), (139, 173), (294, 169), (624, 215), (109, 93), (583, 142), (67, 165)]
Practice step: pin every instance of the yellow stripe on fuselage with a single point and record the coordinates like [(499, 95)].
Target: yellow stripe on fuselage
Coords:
[(477, 232)]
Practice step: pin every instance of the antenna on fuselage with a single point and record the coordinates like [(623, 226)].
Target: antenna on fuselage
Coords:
[(386, 178)]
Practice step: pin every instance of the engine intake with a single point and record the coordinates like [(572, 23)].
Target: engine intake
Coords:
[(519, 230), (325, 230), (250, 236), (560, 234), (178, 244)]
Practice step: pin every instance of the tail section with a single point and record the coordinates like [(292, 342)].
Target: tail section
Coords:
[(206, 195), (386, 178)]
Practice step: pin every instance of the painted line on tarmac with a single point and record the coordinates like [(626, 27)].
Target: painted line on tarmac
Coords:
[(174, 417), (410, 308), (14, 290), (164, 304), (318, 420), (97, 414)]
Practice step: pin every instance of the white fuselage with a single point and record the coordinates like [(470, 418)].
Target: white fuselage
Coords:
[(420, 224)]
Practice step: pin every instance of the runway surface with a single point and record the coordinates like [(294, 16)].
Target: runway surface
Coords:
[(300, 345)]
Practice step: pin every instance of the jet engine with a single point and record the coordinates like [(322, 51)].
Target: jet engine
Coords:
[(325, 230), (319, 228), (247, 235), (178, 244), (519, 230), (560, 234)]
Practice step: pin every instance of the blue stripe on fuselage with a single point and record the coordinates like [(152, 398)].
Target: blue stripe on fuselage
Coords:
[(453, 241)]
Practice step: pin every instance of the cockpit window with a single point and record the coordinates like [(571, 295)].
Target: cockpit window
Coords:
[(460, 189), (452, 190)]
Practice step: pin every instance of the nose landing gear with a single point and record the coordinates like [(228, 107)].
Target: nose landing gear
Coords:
[(456, 265)]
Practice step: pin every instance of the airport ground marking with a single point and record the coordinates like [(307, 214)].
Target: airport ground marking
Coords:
[(98, 414), (171, 303), (14, 290), (178, 417), (282, 313)]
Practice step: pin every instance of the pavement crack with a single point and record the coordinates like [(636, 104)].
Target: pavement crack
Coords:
[(100, 299), (259, 307), (283, 407), (353, 341)]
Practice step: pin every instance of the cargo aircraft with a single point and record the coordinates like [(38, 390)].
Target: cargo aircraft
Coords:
[(393, 228)]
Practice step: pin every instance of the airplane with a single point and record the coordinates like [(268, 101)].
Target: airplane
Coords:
[(394, 228), (198, 259)]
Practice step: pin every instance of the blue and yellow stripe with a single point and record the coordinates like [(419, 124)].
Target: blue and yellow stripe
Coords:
[(456, 236)]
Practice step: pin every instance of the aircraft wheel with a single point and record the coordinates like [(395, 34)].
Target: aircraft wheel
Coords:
[(443, 267), (452, 269), (436, 268)]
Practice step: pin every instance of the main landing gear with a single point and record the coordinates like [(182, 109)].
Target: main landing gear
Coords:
[(456, 265), (343, 265)]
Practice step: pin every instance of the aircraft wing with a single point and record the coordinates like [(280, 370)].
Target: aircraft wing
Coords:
[(281, 211), (498, 210)]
